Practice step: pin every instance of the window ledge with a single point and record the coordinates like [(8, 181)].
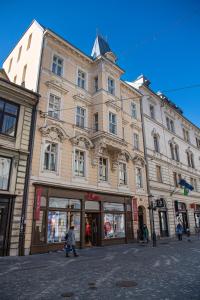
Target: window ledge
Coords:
[(7, 137)]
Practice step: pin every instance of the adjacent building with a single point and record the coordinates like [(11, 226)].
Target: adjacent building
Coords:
[(172, 146), (88, 166), (17, 107)]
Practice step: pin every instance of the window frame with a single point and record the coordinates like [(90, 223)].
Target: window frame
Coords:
[(80, 116), (133, 109), (159, 174), (96, 122), (10, 170), (111, 88), (123, 181), (136, 141), (53, 111), (84, 163), (101, 165), (156, 145), (56, 157), (111, 124), (150, 111), (62, 68), (141, 178), (2, 118), (82, 79)]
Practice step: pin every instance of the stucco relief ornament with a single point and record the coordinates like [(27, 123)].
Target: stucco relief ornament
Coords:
[(54, 133), (82, 141), (139, 160), (99, 150)]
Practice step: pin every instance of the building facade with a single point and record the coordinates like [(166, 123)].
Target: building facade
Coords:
[(88, 167), (172, 145), (16, 111)]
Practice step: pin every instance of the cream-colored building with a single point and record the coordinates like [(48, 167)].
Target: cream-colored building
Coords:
[(88, 167), (172, 146), (17, 106)]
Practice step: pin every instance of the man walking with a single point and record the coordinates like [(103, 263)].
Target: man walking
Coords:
[(70, 242)]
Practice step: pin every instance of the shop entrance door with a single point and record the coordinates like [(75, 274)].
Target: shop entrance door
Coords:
[(92, 226), (4, 223), (163, 223), (184, 220)]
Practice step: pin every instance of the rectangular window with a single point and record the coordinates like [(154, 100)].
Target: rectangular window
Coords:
[(19, 53), (175, 179), (79, 163), (64, 203), (136, 141), (152, 111), (54, 106), (111, 86), (29, 41), (186, 135), (114, 226), (50, 156), (133, 111), (156, 143), (198, 142), (81, 79), (8, 117), (103, 169), (96, 84), (80, 117), (168, 123), (112, 123), (57, 65), (122, 174), (5, 166), (159, 174), (96, 122), (179, 179), (10, 65), (24, 75), (139, 183)]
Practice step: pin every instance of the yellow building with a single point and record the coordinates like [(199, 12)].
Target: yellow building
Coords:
[(88, 167)]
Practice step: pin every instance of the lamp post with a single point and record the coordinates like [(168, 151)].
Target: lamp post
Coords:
[(152, 208)]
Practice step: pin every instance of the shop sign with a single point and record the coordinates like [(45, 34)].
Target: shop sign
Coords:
[(38, 203), (135, 209), (92, 196)]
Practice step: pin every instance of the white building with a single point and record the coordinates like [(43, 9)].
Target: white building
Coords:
[(172, 146)]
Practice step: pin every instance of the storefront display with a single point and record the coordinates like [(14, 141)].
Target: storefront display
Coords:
[(114, 226)]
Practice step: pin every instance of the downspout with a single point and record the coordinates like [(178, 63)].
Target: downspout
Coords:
[(28, 168), (146, 166)]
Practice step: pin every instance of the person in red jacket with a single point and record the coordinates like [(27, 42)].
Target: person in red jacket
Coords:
[(88, 232)]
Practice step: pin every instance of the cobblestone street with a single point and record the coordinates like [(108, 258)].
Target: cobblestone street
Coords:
[(169, 271)]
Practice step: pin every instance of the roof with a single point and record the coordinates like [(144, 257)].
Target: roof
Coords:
[(100, 47), (3, 74)]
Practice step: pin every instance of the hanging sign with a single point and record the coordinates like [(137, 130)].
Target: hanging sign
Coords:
[(135, 209), (38, 203)]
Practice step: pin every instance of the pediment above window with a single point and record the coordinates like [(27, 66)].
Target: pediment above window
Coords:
[(82, 98), (54, 132), (113, 104), (58, 86), (139, 160), (155, 133), (82, 141)]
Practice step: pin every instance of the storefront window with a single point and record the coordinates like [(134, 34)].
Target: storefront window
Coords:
[(60, 222), (40, 225), (114, 226), (64, 203), (91, 205), (113, 206)]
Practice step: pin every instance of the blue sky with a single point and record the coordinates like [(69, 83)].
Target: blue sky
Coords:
[(159, 39)]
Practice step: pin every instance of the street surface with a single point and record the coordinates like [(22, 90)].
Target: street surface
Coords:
[(133, 271)]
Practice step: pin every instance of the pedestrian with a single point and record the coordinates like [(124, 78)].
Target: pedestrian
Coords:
[(188, 234), (70, 242), (179, 231), (145, 233)]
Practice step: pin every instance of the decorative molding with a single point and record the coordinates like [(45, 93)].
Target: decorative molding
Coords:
[(82, 98), (139, 160), (82, 141), (56, 85), (112, 104), (54, 132)]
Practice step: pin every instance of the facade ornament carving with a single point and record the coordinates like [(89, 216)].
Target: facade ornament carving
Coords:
[(57, 86), (139, 160), (54, 132), (82, 141)]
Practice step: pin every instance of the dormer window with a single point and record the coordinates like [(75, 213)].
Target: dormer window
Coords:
[(111, 86)]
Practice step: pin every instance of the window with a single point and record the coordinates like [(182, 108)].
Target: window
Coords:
[(96, 122), (190, 159), (179, 178), (10, 65), (172, 151), (64, 203), (176, 148), (81, 79), (50, 156), (96, 84), (193, 182), (198, 142), (139, 183), (5, 167), (111, 86), (15, 79), (79, 163), (80, 117), (122, 174), (24, 75), (156, 143), (114, 225), (159, 173), (175, 179), (57, 65), (170, 124), (112, 123), (133, 111), (186, 135), (19, 53), (103, 169), (29, 41), (54, 106), (8, 117), (136, 141), (152, 111)]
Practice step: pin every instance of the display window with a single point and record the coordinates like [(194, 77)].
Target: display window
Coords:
[(64, 203), (114, 226), (113, 206)]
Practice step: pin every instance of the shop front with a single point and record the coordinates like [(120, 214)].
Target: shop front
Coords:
[(181, 214), (98, 219)]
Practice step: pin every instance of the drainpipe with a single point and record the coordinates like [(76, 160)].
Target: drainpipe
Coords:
[(28, 167), (146, 168)]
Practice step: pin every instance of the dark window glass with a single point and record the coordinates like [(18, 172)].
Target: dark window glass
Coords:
[(8, 117)]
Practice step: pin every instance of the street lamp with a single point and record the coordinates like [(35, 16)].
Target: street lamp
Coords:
[(152, 208)]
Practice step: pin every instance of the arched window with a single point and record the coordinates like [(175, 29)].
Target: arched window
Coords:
[(156, 143)]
